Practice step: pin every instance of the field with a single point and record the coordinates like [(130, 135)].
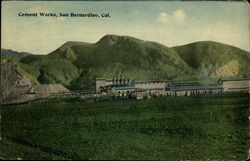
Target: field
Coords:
[(197, 127)]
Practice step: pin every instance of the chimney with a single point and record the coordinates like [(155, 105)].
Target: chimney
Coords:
[(120, 79), (116, 81)]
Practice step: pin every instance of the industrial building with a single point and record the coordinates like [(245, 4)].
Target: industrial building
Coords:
[(150, 85), (140, 89), (234, 85), (107, 85)]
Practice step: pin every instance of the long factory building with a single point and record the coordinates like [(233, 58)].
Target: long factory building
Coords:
[(123, 87)]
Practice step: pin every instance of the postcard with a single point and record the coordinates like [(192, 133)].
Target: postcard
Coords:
[(125, 80)]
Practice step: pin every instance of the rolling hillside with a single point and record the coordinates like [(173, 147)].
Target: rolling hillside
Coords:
[(10, 53), (214, 59), (12, 56), (76, 64)]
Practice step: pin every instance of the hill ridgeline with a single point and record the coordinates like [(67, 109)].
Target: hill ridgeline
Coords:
[(77, 64)]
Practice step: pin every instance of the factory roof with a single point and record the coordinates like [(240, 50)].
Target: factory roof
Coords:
[(100, 79), (188, 88), (148, 89), (123, 88), (150, 81), (242, 79), (189, 82)]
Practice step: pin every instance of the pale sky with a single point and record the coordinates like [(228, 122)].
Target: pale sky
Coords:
[(168, 23)]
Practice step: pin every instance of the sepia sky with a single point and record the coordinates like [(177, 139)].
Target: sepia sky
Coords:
[(169, 23)]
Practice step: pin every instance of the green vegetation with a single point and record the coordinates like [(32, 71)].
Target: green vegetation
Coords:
[(199, 127), (208, 56), (24, 74), (48, 70), (76, 64), (10, 53)]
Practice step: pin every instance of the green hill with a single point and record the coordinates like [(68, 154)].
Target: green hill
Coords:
[(12, 56), (11, 53), (77, 64), (50, 70), (212, 59)]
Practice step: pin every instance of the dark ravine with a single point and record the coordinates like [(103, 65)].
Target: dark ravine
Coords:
[(77, 64)]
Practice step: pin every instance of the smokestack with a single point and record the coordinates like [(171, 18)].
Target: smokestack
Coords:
[(120, 79), (116, 81)]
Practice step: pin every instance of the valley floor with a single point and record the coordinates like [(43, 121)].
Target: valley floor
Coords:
[(196, 127)]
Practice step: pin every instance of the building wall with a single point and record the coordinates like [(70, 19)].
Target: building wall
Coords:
[(236, 85), (150, 85), (120, 92), (102, 82), (99, 83)]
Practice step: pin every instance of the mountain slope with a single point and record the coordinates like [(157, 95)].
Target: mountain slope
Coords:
[(9, 53), (49, 70), (137, 59), (14, 83), (214, 59), (77, 64), (18, 86)]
